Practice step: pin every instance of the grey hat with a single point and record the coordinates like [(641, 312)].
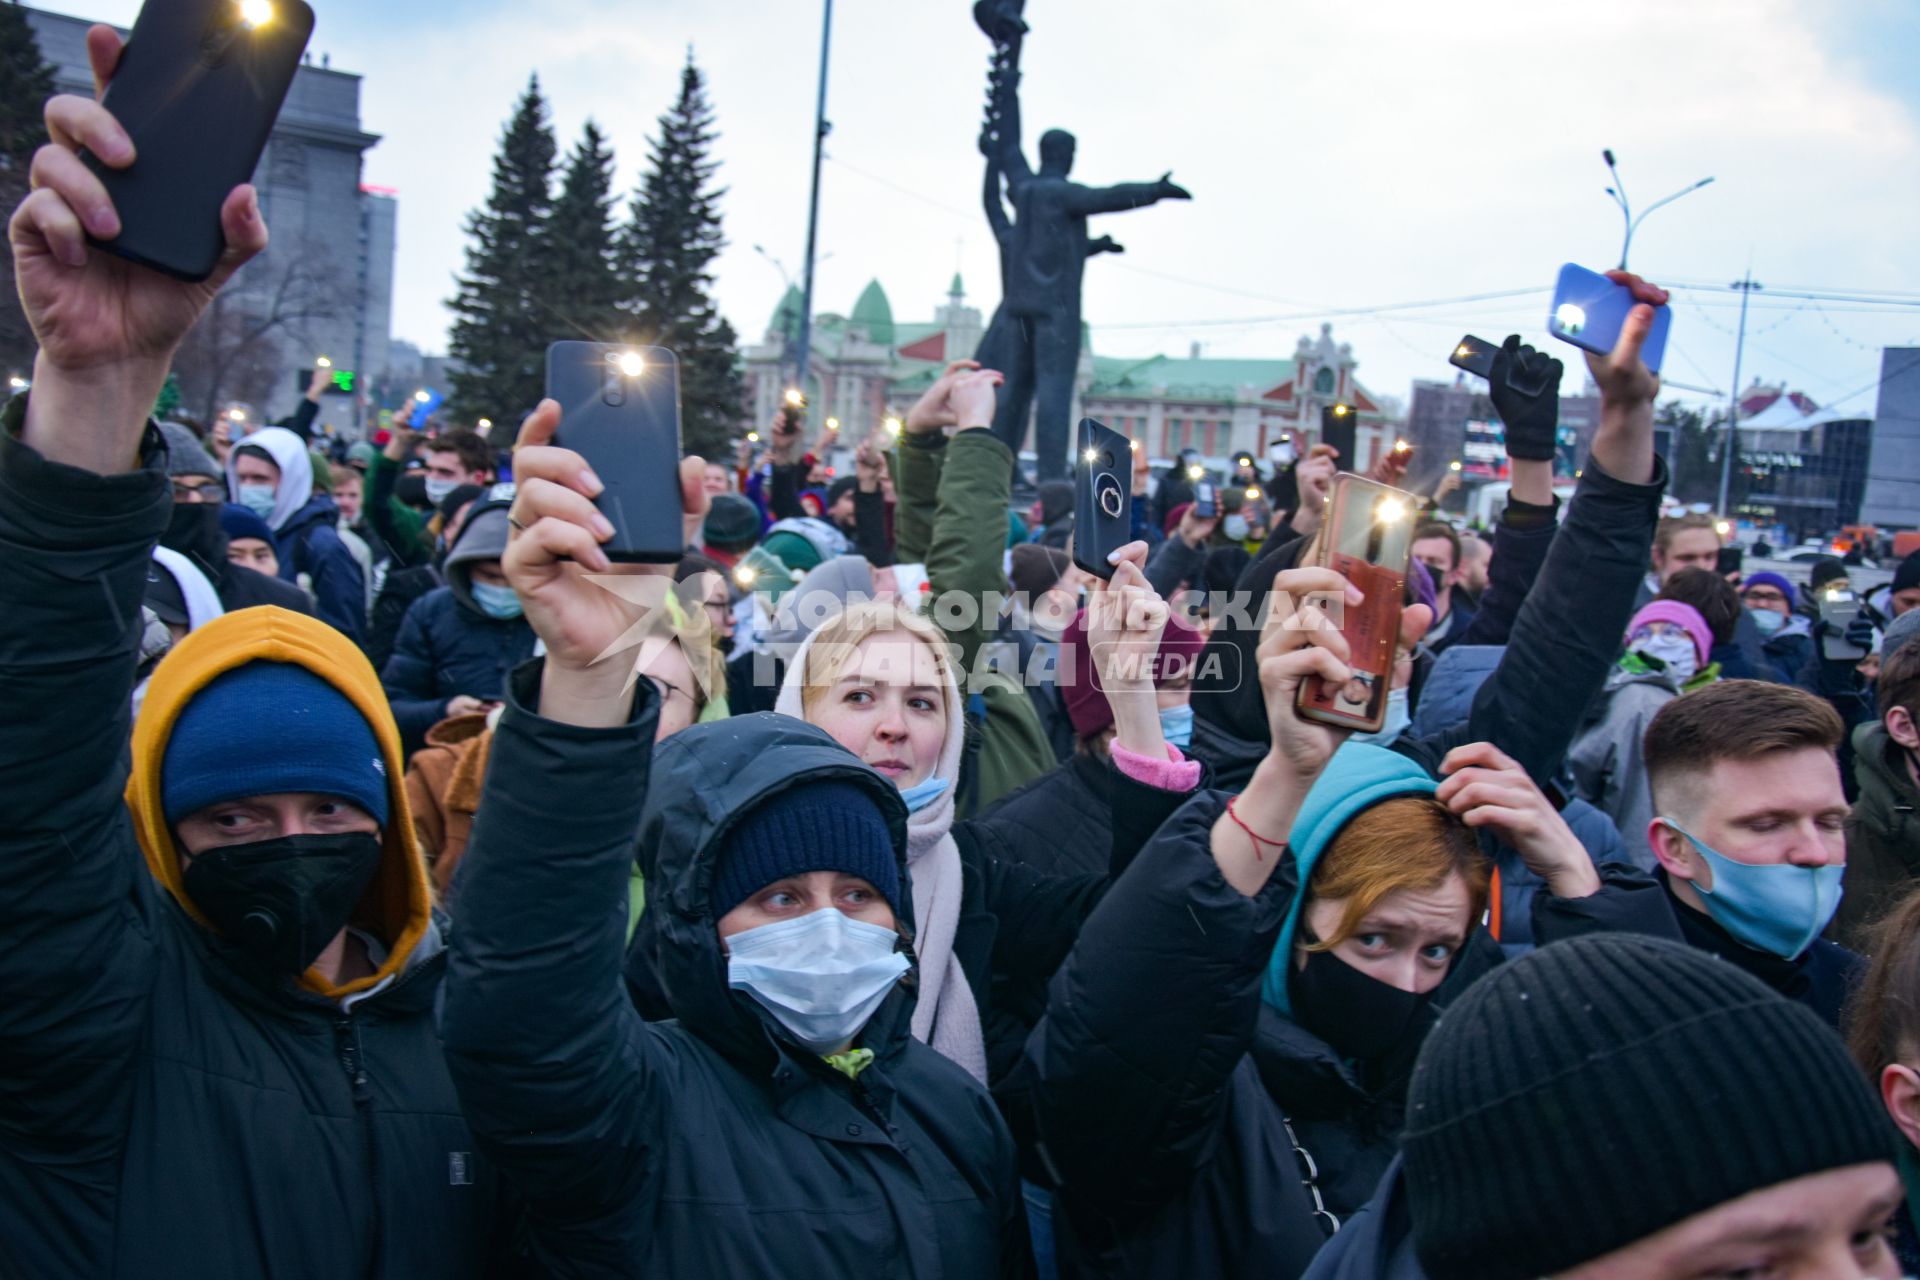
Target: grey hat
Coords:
[(1900, 631), (484, 538), (186, 456), (823, 594)]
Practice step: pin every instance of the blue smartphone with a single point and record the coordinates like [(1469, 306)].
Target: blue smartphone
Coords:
[(426, 403), (1589, 310)]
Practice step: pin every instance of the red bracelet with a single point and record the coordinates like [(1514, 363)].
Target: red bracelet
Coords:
[(1257, 839)]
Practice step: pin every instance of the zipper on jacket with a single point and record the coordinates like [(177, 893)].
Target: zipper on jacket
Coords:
[(353, 1062)]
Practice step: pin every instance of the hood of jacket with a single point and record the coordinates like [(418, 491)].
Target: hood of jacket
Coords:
[(1446, 698), (705, 779), (1888, 796), (397, 906), (1056, 501), (1358, 777), (289, 453), (1226, 690), (465, 741), (483, 537)]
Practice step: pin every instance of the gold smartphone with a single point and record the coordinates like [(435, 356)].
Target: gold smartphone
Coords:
[(1368, 540)]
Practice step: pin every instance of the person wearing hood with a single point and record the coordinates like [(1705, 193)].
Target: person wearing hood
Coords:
[(271, 475), (1771, 602), (1667, 647), (1053, 515), (1567, 1125), (879, 679), (1222, 1073), (458, 642), (217, 1046), (1176, 486), (1046, 597), (195, 529), (1883, 831), (776, 872)]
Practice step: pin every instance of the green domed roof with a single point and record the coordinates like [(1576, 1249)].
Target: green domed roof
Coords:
[(786, 317), (875, 314)]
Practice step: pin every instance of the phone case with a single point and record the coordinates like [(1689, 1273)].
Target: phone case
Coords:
[(1589, 309), (1839, 615), (626, 423), (198, 91), (1368, 540), (1339, 431), (1475, 355), (1102, 498)]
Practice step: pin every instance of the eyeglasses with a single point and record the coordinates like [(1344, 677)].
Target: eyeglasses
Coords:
[(210, 491), (1766, 595), (668, 688)]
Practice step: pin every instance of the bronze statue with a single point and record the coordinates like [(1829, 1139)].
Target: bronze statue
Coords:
[(1034, 337)]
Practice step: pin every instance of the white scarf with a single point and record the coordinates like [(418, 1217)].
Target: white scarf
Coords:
[(946, 1017)]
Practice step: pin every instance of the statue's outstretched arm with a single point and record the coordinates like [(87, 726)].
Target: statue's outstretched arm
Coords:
[(1122, 196)]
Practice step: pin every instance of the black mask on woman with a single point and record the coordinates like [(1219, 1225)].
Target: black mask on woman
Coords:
[(1359, 1015), (282, 901)]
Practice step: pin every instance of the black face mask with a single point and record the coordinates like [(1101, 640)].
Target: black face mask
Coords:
[(282, 901), (1360, 1016), (194, 531)]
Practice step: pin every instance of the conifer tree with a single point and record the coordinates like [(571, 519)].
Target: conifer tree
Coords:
[(580, 288), (500, 336), (667, 250), (26, 82)]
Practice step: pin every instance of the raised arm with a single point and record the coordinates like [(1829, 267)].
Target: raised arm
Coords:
[(549, 1056), (1122, 196), (83, 498), (995, 203)]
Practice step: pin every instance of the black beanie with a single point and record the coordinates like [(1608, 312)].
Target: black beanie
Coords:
[(818, 826), (1907, 575), (1602, 1089), (839, 489)]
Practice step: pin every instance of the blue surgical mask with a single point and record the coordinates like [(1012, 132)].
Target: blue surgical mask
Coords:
[(1176, 725), (1779, 908), (1235, 527), (1396, 723), (259, 499), (1767, 620), (821, 976), (496, 601), (923, 793)]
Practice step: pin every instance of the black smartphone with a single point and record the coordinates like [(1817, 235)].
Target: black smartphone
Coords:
[(1337, 429), (620, 410), (1206, 500), (1838, 609), (198, 88), (1730, 560), (1102, 498), (1475, 355)]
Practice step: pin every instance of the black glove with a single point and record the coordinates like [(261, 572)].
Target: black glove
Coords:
[(1860, 632), (1526, 394)]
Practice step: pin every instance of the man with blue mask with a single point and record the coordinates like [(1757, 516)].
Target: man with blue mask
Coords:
[(458, 642), (1750, 833)]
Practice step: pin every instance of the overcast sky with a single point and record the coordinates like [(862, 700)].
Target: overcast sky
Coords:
[(1350, 156)]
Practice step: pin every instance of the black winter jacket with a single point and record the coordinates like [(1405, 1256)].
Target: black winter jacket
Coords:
[(167, 1108), (1166, 1085), (448, 647), (309, 543), (193, 529), (711, 1145), (398, 591)]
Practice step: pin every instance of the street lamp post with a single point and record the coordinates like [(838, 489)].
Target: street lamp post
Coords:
[(803, 345), (1619, 193), (1746, 287)]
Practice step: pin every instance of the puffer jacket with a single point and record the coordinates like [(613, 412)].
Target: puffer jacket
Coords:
[(1883, 837), (444, 782), (712, 1145), (1173, 1100), (448, 647), (168, 1107), (1606, 760)]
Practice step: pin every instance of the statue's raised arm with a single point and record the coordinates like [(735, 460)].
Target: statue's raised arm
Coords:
[(1000, 134)]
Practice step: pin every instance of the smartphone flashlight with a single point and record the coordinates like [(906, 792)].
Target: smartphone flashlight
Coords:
[(1722, 528), (631, 364), (744, 575), (1194, 473), (1253, 494), (1133, 445), (1571, 317), (1454, 465), (1401, 446), (794, 397), (1390, 510), (893, 426), (753, 437), (325, 363), (421, 397), (256, 13)]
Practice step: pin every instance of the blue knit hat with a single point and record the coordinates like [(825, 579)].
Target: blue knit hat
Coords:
[(822, 826), (238, 522), (271, 727), (1775, 581)]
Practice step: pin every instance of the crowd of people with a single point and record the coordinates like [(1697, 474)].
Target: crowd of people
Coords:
[(394, 885)]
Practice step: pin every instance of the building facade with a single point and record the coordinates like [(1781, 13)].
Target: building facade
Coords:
[(1450, 422), (326, 280), (1891, 497), (865, 366)]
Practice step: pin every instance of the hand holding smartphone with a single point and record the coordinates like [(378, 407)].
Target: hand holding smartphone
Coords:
[(1367, 539), (197, 90), (1589, 311), (620, 410), (1102, 498)]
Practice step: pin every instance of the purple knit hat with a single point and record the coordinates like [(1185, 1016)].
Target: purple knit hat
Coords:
[(1684, 616), (1775, 581)]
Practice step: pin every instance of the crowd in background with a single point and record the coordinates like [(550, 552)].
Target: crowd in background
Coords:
[(392, 884)]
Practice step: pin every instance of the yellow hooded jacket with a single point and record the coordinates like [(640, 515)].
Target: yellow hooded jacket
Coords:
[(398, 904)]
